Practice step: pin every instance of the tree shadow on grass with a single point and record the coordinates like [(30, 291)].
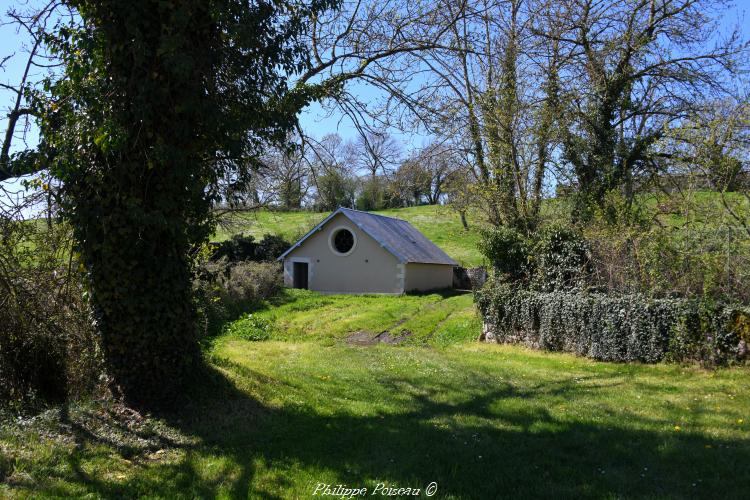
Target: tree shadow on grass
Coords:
[(494, 443)]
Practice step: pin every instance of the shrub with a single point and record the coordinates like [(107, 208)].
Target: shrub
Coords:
[(244, 248), (628, 327), (49, 349), (253, 281), (563, 259), (669, 261), (507, 251), (270, 248), (238, 247), (223, 290), (251, 327), (48, 346)]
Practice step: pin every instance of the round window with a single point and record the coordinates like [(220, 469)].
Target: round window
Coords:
[(343, 241)]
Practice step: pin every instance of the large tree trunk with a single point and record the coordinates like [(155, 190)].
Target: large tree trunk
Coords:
[(138, 205), (141, 292)]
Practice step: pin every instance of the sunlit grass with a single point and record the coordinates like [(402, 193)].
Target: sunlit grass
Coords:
[(301, 315)]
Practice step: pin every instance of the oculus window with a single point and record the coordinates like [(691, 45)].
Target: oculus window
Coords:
[(342, 241)]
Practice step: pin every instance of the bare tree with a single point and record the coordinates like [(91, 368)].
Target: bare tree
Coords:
[(364, 42), (410, 183), (496, 100), (377, 152), (30, 23), (459, 191), (437, 161), (332, 162)]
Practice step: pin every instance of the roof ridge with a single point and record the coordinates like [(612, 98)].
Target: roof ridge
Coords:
[(373, 214), (390, 235)]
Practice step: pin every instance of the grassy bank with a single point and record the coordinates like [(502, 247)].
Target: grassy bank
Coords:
[(443, 226)]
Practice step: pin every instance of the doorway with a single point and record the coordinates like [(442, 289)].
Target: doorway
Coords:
[(299, 271)]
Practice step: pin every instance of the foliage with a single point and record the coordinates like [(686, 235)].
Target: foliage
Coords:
[(238, 247), (271, 247), (247, 282), (224, 290), (700, 255), (412, 182), (335, 189), (507, 251), (616, 125), (241, 248), (376, 194), (562, 259), (250, 327), (49, 351), (614, 327), (160, 101)]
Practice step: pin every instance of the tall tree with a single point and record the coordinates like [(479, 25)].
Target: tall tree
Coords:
[(332, 163), (158, 102), (635, 69), (489, 84)]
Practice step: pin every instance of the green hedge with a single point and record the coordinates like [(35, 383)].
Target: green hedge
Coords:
[(616, 328)]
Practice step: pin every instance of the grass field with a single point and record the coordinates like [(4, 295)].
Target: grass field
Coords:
[(377, 390), (430, 318), (273, 419)]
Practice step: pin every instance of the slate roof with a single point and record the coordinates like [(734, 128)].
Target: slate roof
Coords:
[(395, 235)]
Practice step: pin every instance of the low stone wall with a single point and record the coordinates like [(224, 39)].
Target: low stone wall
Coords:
[(470, 278)]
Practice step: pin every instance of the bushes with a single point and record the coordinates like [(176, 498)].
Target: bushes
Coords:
[(615, 328), (49, 350), (563, 259), (557, 259), (507, 251), (243, 248), (48, 347), (270, 248), (233, 276), (667, 261), (251, 327), (224, 290), (249, 282), (588, 297)]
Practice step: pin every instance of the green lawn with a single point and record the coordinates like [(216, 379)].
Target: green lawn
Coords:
[(430, 318), (275, 418), (439, 223)]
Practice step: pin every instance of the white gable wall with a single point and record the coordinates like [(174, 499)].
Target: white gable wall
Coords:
[(368, 269)]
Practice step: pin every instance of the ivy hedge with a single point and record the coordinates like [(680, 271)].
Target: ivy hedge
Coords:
[(615, 327)]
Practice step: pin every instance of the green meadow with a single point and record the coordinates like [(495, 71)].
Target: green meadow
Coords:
[(321, 402)]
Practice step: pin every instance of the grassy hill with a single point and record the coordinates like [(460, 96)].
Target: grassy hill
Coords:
[(439, 223), (442, 225)]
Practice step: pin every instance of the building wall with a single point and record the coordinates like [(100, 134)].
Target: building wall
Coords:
[(368, 269), (424, 277)]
